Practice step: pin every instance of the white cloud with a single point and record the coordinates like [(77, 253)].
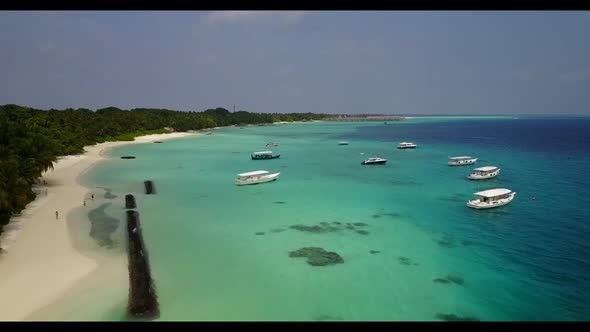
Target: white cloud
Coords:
[(244, 16)]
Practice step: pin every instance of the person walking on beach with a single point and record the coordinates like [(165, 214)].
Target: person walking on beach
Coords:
[(84, 202), (92, 196), (56, 215)]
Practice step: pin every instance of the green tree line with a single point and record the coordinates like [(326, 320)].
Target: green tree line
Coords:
[(32, 139)]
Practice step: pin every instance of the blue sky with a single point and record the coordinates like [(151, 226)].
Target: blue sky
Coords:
[(390, 62)]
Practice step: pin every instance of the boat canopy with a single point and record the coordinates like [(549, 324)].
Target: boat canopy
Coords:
[(486, 169), (262, 152), (405, 143), (460, 157), (493, 192), (253, 173)]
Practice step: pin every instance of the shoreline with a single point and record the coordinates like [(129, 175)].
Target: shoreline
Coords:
[(39, 261)]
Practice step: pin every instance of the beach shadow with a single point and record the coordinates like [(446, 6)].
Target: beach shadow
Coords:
[(102, 226), (108, 194)]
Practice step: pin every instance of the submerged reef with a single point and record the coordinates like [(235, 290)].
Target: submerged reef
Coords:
[(310, 229), (405, 261), (386, 214), (326, 227), (317, 256), (451, 278), (446, 242)]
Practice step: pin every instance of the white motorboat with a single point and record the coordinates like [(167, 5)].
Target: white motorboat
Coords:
[(374, 161), (270, 145), (461, 161), (343, 143), (482, 173), (406, 145), (491, 198), (256, 177)]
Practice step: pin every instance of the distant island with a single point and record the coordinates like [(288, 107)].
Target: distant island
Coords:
[(363, 117)]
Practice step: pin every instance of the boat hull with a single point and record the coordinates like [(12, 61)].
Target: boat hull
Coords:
[(263, 179), (483, 177), (476, 204), (374, 162), (406, 147), (274, 156), (462, 162)]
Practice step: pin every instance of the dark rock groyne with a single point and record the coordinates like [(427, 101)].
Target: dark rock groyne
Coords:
[(130, 202), (149, 187), (143, 302)]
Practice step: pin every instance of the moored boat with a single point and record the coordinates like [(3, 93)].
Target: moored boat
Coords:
[(482, 173), (256, 177), (374, 161), (343, 143), (264, 155), (461, 161), (272, 144), (491, 198), (406, 145)]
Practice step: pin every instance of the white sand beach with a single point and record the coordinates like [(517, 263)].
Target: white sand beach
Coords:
[(38, 263)]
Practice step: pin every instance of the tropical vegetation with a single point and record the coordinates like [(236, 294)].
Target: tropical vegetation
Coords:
[(32, 139)]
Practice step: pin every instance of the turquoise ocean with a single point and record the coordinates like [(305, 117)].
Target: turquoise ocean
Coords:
[(221, 252)]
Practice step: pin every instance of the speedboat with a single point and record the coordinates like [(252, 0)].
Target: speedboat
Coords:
[(272, 144), (482, 173), (491, 198), (343, 143), (264, 155), (256, 177), (406, 145), (461, 161), (374, 161)]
